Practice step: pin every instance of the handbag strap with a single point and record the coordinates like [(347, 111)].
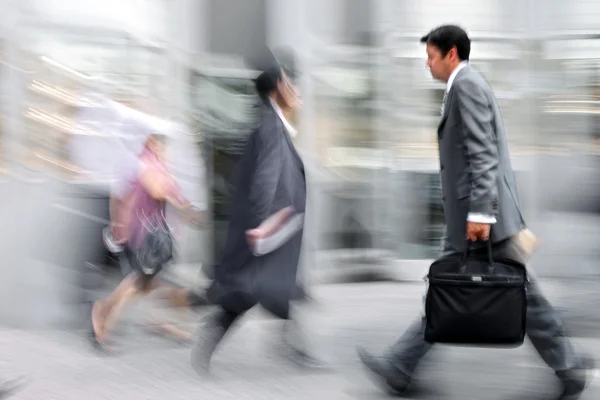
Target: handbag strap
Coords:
[(463, 268)]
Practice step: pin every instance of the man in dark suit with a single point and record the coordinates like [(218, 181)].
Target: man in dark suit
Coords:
[(270, 177), (479, 191)]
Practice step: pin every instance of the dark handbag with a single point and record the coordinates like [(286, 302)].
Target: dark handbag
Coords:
[(473, 299), (156, 249)]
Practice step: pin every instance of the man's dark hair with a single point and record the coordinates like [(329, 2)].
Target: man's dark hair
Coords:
[(266, 82), (448, 36)]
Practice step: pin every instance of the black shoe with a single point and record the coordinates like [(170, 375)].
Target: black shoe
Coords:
[(295, 350), (8, 388), (207, 340), (575, 380), (303, 359), (201, 359), (394, 381)]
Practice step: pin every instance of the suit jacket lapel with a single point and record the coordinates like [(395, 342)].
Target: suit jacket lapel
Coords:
[(446, 108), (286, 135), (448, 102), (293, 150), (272, 115)]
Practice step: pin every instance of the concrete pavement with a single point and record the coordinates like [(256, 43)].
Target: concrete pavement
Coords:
[(62, 365)]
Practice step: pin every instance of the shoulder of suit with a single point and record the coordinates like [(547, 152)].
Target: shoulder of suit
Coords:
[(471, 81), (266, 110), (268, 116), (269, 127)]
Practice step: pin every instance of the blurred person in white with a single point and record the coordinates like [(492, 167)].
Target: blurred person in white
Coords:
[(140, 211), (479, 190), (269, 178)]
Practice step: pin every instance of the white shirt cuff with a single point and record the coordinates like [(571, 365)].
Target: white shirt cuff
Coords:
[(481, 218)]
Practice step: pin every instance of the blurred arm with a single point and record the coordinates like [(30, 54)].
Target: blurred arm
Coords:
[(482, 151), (266, 174)]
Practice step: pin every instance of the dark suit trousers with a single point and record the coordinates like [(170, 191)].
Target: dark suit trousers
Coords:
[(225, 319), (234, 307), (544, 327)]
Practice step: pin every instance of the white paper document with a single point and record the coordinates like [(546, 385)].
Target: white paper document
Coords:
[(280, 232)]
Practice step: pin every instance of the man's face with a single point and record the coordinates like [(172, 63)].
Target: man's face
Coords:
[(440, 66), (288, 93)]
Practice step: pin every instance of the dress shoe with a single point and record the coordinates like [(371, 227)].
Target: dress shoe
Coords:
[(294, 348), (304, 359), (576, 379), (208, 338), (394, 381)]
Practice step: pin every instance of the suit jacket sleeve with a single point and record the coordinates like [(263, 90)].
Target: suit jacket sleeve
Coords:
[(268, 164), (480, 145)]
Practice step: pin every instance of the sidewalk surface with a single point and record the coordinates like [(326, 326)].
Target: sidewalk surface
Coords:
[(62, 365)]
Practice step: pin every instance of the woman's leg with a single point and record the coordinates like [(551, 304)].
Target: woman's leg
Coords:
[(176, 297), (106, 312), (117, 305)]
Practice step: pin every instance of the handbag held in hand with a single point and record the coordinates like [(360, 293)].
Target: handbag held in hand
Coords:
[(156, 248), (473, 299)]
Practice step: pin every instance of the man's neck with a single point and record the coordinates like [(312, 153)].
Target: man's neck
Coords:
[(291, 130), (452, 71), (276, 103)]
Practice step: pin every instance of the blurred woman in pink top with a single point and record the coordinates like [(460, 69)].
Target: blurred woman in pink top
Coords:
[(144, 201)]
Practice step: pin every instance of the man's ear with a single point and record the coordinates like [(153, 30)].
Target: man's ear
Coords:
[(454, 53)]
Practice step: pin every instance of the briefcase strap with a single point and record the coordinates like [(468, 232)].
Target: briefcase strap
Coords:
[(463, 268)]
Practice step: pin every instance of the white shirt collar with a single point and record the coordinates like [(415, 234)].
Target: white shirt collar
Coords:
[(291, 130), (454, 73)]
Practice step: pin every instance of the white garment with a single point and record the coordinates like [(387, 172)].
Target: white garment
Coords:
[(454, 73), (288, 127), (280, 237)]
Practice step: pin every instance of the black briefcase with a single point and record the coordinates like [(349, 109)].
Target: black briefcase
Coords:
[(473, 299)]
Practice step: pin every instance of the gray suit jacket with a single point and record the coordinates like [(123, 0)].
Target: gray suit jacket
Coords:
[(475, 166)]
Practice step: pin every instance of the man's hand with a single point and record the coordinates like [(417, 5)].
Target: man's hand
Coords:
[(476, 231), (253, 235), (270, 226)]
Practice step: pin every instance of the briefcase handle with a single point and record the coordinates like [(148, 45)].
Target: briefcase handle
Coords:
[(463, 268)]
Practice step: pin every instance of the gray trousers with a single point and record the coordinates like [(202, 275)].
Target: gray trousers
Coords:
[(544, 327)]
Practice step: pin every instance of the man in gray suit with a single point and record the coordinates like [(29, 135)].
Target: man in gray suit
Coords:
[(479, 190)]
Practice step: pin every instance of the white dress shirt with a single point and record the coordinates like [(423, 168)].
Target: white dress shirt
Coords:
[(454, 73), (472, 217), (288, 127)]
